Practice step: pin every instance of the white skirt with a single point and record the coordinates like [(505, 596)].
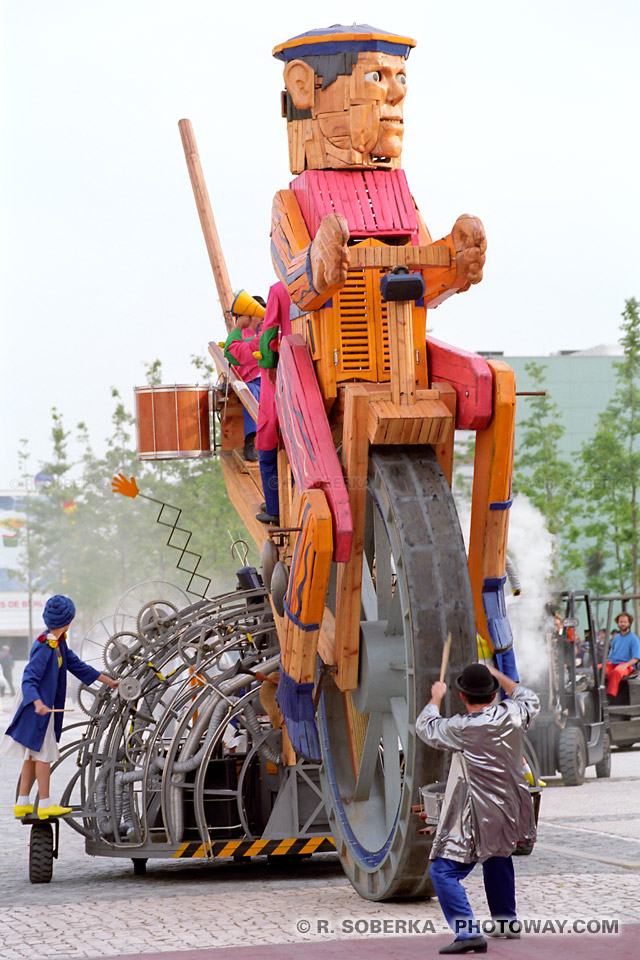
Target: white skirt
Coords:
[(48, 752)]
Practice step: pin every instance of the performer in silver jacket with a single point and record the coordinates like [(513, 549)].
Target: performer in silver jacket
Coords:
[(487, 807)]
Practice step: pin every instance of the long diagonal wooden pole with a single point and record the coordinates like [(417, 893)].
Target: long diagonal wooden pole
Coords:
[(208, 224)]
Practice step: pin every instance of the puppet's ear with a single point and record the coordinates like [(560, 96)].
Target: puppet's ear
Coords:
[(299, 79)]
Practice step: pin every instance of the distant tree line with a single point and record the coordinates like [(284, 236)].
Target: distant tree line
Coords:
[(590, 500), (83, 540)]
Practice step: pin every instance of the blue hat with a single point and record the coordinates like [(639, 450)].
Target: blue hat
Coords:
[(340, 38), (58, 612)]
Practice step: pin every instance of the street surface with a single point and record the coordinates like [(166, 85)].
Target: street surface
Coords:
[(585, 867)]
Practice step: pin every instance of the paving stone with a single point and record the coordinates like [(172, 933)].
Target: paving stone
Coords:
[(581, 867)]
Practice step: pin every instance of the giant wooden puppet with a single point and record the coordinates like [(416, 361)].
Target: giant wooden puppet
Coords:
[(376, 575)]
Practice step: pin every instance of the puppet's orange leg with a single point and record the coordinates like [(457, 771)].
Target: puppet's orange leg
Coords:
[(492, 495), (304, 608)]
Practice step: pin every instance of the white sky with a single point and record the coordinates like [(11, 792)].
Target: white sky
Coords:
[(523, 114)]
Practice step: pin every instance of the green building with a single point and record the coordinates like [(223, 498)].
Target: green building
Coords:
[(580, 382)]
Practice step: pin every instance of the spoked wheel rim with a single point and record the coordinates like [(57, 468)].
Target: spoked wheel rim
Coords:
[(415, 590)]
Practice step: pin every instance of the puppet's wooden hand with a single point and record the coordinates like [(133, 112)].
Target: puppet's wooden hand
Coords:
[(471, 243), (329, 253)]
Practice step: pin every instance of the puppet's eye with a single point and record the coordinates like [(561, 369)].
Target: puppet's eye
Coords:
[(373, 75), (401, 79)]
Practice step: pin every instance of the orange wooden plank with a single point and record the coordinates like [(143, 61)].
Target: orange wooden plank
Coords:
[(355, 449)]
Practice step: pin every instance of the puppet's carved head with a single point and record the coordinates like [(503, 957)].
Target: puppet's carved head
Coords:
[(345, 88)]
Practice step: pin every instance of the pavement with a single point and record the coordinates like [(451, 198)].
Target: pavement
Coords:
[(584, 873)]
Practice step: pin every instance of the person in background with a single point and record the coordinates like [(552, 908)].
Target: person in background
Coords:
[(276, 324), (624, 653), (240, 349), (487, 807), (6, 664), (35, 730)]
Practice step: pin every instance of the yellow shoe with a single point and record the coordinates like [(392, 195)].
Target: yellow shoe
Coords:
[(53, 810), (20, 811)]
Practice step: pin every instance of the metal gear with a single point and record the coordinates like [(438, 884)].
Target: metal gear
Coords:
[(120, 647), (154, 617)]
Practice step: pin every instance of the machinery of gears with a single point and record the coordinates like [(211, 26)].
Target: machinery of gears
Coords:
[(184, 759)]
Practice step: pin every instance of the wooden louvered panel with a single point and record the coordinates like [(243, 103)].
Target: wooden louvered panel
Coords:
[(383, 360), (354, 330), (354, 327)]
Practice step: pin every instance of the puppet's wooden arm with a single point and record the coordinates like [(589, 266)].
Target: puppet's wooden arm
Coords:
[(466, 244), (312, 271)]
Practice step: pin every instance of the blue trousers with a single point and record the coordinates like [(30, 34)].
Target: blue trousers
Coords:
[(268, 461), (499, 886), (249, 422)]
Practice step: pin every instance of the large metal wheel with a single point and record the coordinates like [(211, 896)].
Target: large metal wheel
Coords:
[(415, 591), (132, 602)]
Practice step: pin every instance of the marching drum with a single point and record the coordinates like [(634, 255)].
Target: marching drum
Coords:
[(173, 422)]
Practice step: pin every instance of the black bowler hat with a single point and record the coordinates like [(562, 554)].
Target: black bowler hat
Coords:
[(476, 681)]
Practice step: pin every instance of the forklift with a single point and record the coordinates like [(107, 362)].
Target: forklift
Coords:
[(624, 709), (572, 731)]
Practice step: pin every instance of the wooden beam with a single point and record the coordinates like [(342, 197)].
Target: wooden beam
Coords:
[(232, 425), (363, 257), (444, 450), (245, 497), (401, 352), (208, 224), (240, 388), (355, 449), (426, 421), (284, 487), (327, 638)]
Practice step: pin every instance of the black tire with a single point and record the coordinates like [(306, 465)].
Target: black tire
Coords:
[(603, 769), (410, 518), (41, 853), (139, 866), (572, 756)]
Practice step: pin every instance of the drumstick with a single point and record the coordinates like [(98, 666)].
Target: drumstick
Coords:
[(445, 657)]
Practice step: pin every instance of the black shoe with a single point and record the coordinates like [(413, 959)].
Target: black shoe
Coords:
[(509, 929), (249, 450), (470, 945), (268, 518)]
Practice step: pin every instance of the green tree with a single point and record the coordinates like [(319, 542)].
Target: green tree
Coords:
[(611, 472), (95, 545), (544, 475)]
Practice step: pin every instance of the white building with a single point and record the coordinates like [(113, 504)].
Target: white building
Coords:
[(14, 596)]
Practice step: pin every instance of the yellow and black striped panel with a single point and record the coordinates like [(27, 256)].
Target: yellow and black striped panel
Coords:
[(254, 848)]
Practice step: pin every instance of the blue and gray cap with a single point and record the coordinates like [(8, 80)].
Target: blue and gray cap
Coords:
[(339, 38)]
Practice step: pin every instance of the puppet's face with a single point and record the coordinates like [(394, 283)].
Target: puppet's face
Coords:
[(373, 97), (357, 120)]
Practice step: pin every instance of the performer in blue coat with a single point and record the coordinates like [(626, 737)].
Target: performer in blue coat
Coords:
[(35, 730)]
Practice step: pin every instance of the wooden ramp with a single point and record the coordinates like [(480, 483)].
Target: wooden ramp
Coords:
[(245, 492)]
